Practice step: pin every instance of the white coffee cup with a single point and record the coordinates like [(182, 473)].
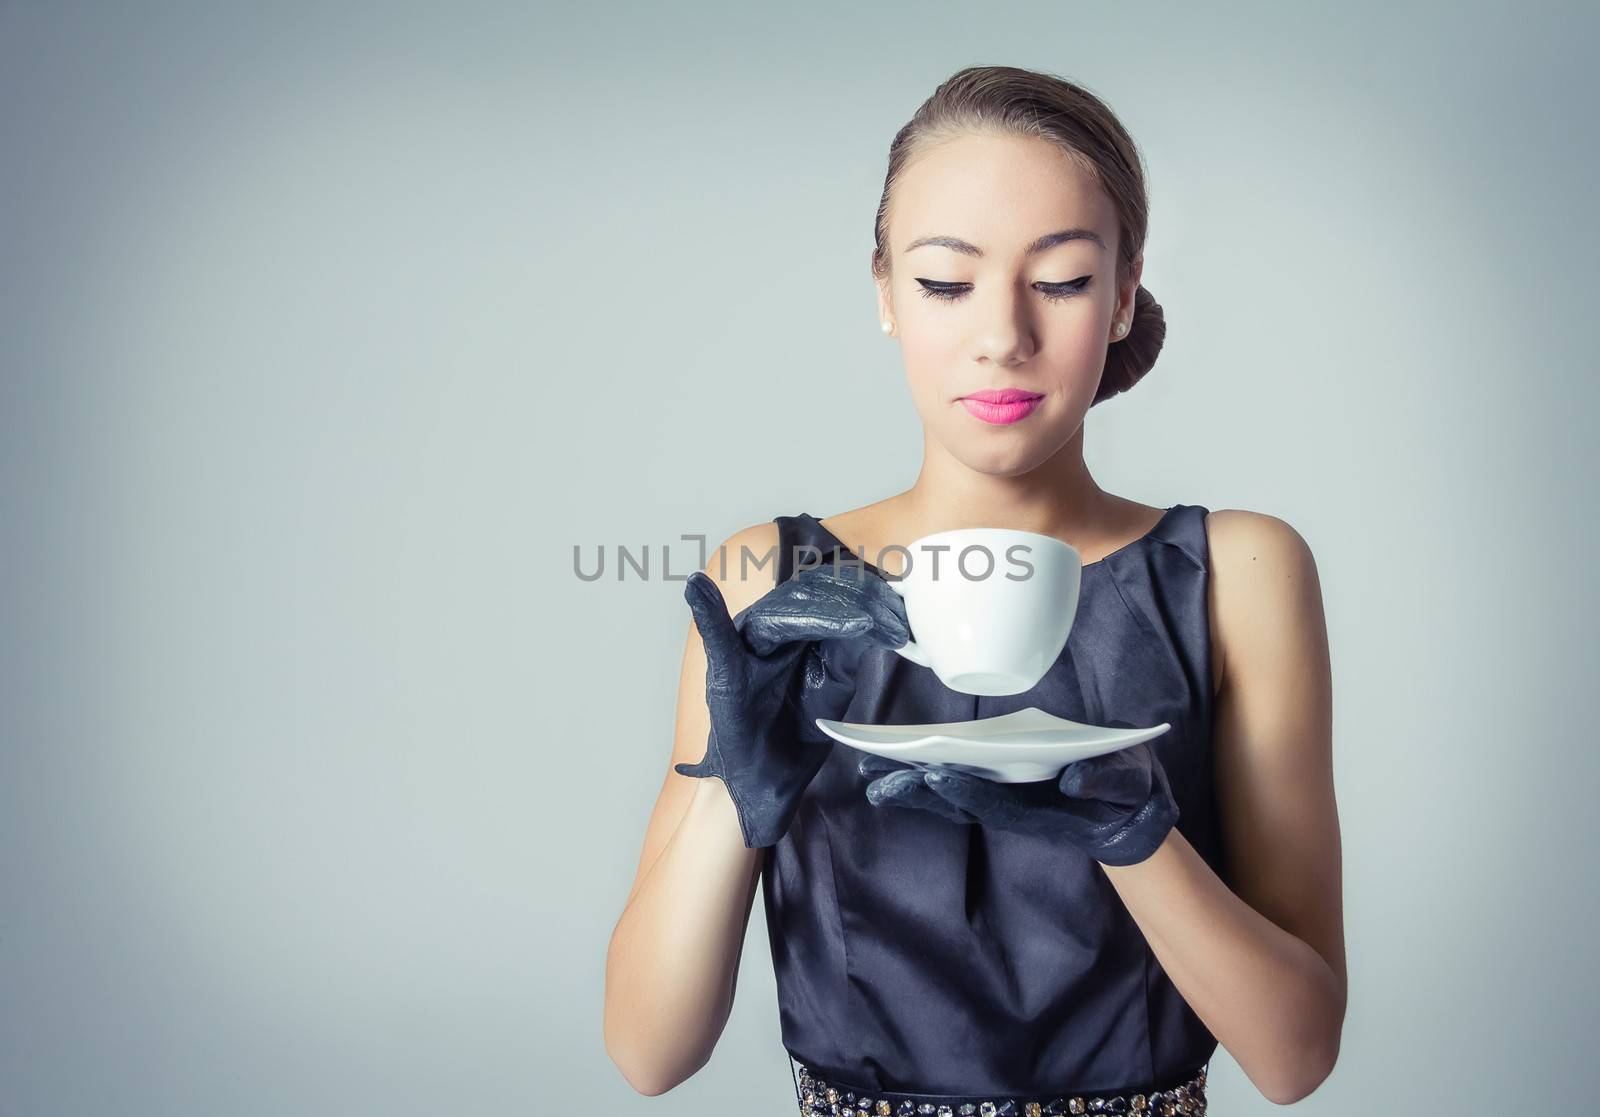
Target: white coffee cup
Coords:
[(990, 608)]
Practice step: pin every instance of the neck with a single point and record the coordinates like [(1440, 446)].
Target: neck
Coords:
[(1057, 497)]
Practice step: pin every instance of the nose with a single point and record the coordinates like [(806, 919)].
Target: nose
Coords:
[(1004, 334)]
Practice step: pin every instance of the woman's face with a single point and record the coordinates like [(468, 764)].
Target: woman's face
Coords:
[(1013, 307)]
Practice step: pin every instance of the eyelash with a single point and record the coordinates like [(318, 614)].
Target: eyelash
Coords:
[(953, 292)]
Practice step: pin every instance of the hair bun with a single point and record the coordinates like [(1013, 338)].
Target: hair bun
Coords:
[(1129, 359)]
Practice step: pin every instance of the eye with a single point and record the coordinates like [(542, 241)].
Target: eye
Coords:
[(1057, 291), (933, 289), (1054, 292)]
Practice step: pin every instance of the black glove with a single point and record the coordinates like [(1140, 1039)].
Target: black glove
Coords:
[(1117, 807), (789, 657)]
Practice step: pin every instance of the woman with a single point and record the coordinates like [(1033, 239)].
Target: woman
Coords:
[(945, 944)]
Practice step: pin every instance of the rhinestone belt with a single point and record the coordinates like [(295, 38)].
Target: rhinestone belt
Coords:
[(819, 1098)]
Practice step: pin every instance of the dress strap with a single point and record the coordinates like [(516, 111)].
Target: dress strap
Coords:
[(788, 528), (803, 542), (1185, 528)]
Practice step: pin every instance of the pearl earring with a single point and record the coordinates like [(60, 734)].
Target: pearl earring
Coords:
[(1120, 328), (888, 327)]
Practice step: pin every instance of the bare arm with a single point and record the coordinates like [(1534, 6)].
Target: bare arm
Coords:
[(1261, 962), (674, 954)]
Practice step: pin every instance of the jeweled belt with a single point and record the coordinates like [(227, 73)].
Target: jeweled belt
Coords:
[(818, 1097)]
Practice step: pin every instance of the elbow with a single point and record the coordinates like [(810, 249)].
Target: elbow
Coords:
[(643, 1069), (1316, 1053), (1301, 1081), (622, 1034), (1298, 1089), (640, 1085), (654, 1031), (649, 1087), (654, 1082), (651, 1081)]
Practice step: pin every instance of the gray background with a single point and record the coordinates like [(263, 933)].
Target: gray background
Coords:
[(329, 331)]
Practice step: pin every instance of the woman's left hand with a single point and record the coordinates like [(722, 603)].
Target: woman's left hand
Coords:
[(1117, 807)]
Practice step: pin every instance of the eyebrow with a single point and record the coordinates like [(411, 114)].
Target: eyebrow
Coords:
[(1049, 240)]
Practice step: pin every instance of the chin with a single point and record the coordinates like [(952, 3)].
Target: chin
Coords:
[(1014, 458), (1000, 451)]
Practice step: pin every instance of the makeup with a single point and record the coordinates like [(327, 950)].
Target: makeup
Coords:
[(1003, 406)]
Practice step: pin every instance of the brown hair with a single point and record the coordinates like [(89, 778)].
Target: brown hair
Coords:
[(1013, 101)]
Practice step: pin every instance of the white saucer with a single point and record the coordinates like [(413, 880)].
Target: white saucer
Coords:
[(1019, 747)]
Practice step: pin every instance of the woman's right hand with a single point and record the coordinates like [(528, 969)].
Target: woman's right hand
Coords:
[(787, 658)]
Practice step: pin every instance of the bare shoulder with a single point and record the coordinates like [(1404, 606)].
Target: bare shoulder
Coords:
[(867, 517), (745, 565), (1263, 577), (1236, 533), (1248, 550), (867, 531)]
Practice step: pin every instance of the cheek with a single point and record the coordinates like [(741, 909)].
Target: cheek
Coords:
[(1085, 345), (929, 361), (926, 324)]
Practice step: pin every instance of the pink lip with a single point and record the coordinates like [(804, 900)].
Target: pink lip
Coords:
[(1006, 405)]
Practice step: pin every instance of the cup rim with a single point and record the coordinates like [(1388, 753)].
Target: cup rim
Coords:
[(1065, 550), (915, 543)]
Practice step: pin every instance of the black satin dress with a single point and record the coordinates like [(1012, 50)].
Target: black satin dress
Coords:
[(922, 956)]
